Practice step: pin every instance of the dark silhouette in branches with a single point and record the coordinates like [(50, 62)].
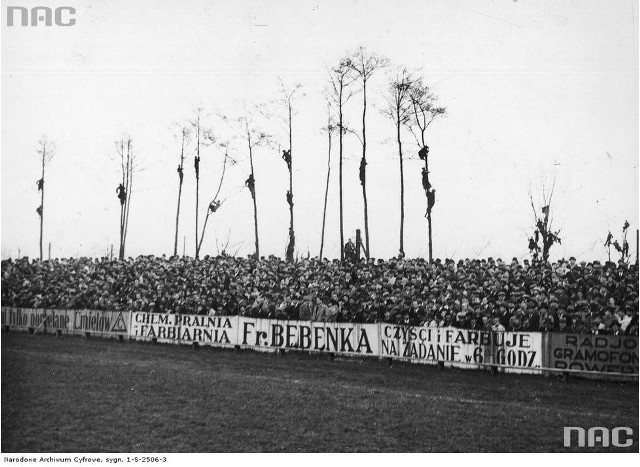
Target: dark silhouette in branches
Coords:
[(365, 64), (623, 249), (46, 151), (423, 112), (543, 231), (607, 244)]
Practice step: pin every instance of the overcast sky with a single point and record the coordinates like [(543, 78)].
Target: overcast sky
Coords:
[(534, 91)]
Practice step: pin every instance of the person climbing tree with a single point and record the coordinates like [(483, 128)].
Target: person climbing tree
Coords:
[(286, 156), (196, 165), (423, 153), (251, 184), (214, 205), (122, 194), (363, 171), (431, 200), (425, 180)]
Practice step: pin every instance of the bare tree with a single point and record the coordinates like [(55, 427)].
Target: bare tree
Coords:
[(253, 139), (399, 110), (215, 203), (340, 78), (365, 65), (204, 137), (424, 112), (287, 156), (184, 133), (544, 237), (330, 129), (124, 149), (46, 150), (285, 122)]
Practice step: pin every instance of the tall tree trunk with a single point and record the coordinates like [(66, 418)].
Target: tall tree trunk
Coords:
[(366, 220), (121, 247), (122, 207), (429, 230), (364, 180), (340, 178), (255, 225), (255, 206), (127, 206), (401, 186), (204, 227), (127, 179), (197, 180), (209, 211), (292, 238), (180, 178), (197, 200), (122, 217), (42, 203), (175, 242), (326, 191), (430, 241)]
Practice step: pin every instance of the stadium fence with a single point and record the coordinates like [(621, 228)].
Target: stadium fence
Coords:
[(595, 356)]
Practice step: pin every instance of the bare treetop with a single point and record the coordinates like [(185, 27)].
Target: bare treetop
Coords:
[(424, 108), (332, 125), (340, 77), (398, 97), (365, 63), (204, 134), (46, 149)]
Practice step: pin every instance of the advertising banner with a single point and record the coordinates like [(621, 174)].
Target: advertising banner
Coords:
[(22, 318), (220, 331), (513, 352), (95, 322), (338, 338), (58, 320), (587, 352), (98, 322), (462, 347)]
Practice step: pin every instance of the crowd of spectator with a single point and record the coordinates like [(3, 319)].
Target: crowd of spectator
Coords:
[(487, 294)]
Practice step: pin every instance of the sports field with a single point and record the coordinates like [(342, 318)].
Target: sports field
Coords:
[(71, 394)]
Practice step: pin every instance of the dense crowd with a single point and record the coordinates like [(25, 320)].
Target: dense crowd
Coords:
[(565, 296)]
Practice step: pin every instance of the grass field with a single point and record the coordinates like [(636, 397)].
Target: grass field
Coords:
[(88, 395)]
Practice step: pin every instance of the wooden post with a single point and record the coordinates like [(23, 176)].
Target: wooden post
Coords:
[(358, 244), (637, 241), (111, 254), (49, 251)]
